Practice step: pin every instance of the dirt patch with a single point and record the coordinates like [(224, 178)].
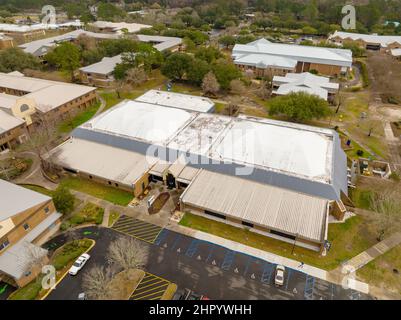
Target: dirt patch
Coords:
[(385, 75), (159, 203), (124, 283)]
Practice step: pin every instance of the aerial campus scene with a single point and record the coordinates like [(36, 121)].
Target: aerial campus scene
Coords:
[(200, 150)]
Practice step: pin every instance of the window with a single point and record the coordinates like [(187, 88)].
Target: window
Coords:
[(282, 234), (26, 226), (248, 224), (24, 108), (4, 244), (214, 214), (47, 210)]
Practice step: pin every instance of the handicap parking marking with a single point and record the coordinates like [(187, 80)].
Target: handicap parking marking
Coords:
[(210, 254), (248, 263), (255, 269), (216, 257)]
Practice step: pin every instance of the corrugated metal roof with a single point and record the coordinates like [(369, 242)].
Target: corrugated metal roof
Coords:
[(15, 199), (286, 211), (16, 259), (384, 41), (105, 67), (330, 56), (100, 160)]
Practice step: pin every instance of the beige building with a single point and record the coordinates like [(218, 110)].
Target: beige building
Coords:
[(25, 101), (27, 219)]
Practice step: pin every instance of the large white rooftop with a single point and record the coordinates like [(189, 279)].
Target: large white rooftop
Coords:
[(141, 121), (177, 100), (105, 67), (322, 55), (119, 26), (8, 122), (384, 41)]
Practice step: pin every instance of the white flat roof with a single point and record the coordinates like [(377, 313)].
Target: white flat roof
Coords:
[(16, 199), (99, 160), (384, 41), (177, 100), (161, 42), (141, 121), (330, 56), (7, 101), (264, 61), (279, 209), (278, 147)]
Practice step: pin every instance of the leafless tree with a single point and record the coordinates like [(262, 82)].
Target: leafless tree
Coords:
[(263, 91), (237, 87), (35, 256), (210, 84), (127, 254), (136, 76), (386, 205), (96, 282)]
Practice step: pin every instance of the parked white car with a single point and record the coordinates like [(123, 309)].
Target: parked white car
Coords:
[(79, 264), (279, 278)]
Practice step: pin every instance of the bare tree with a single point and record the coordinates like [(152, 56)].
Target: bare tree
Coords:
[(127, 254), (136, 76), (35, 256), (96, 282), (210, 84), (387, 207), (237, 87), (263, 91)]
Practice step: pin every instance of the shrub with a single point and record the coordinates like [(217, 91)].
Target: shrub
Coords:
[(77, 219), (359, 153)]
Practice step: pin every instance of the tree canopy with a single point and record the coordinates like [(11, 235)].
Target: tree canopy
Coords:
[(14, 59), (299, 106)]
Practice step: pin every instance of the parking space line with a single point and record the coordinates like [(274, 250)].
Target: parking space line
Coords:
[(161, 236), (192, 248), (288, 279), (210, 253), (248, 263), (228, 260), (267, 273), (134, 228), (153, 286), (176, 240), (309, 284), (144, 233), (152, 283)]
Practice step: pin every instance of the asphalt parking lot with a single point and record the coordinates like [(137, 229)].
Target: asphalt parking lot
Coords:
[(5, 290), (208, 269)]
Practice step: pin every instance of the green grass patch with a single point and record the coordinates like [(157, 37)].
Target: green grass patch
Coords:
[(39, 189), (90, 213), (82, 117), (29, 292), (219, 107), (98, 190), (384, 271), (14, 167), (69, 252), (347, 240), (113, 216)]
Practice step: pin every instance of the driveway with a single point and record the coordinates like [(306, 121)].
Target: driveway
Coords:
[(206, 268)]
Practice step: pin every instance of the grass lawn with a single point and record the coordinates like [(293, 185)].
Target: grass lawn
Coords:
[(61, 259), (384, 271), (90, 213), (39, 189), (156, 80), (113, 195), (70, 124), (348, 239), (113, 217)]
